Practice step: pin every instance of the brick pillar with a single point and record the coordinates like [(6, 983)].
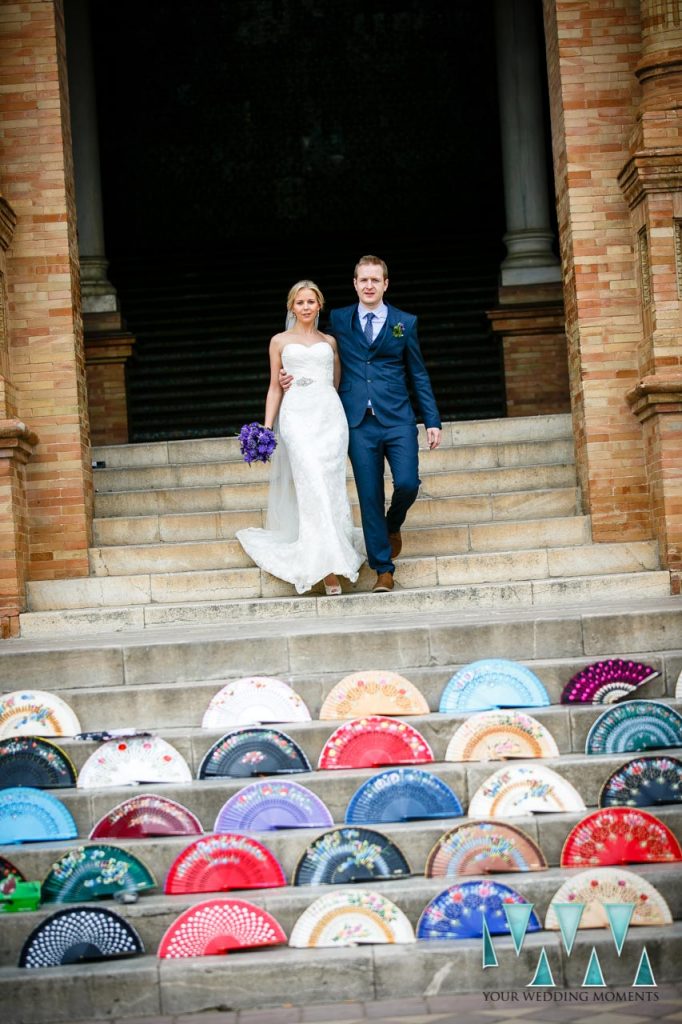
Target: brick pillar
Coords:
[(592, 54), (651, 181), (107, 350), (45, 351)]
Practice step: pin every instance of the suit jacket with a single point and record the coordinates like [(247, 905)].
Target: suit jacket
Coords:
[(379, 373)]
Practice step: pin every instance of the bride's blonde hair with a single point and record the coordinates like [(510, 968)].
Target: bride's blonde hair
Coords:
[(299, 286)]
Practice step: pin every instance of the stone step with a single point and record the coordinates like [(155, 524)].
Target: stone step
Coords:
[(442, 460), (146, 986), (154, 913), (113, 604), (131, 558), (521, 506), (305, 647), (221, 449)]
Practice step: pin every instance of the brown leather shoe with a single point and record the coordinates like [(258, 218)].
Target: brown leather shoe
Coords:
[(396, 543), (384, 583)]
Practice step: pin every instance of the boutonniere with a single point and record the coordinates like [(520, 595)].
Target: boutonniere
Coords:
[(398, 330)]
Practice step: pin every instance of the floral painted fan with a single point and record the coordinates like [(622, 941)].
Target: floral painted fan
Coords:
[(373, 693), (217, 926), (270, 805), (644, 782), (524, 789), (402, 794), (147, 815), (217, 863), (483, 847), (32, 815), (347, 855), (32, 761), (253, 751), (138, 759), (459, 912), (497, 735), (90, 872), (606, 682), (36, 713), (599, 887), (253, 700), (636, 725), (492, 683), (8, 870), (374, 741), (351, 917), (619, 835), (78, 935)]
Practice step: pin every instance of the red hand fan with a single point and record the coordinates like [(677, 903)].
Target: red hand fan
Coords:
[(373, 741), (619, 835)]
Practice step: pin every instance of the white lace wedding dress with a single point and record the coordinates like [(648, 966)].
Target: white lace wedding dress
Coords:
[(310, 529)]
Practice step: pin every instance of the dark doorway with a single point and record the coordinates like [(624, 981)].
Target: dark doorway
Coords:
[(248, 143)]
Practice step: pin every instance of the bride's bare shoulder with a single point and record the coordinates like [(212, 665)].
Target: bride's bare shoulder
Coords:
[(330, 339), (277, 340)]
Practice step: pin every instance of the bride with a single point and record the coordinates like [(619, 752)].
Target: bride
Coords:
[(309, 533)]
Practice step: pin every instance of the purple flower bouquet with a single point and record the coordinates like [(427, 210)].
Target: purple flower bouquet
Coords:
[(256, 443)]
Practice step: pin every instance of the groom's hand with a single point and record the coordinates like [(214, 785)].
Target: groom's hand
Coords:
[(285, 379), (433, 436)]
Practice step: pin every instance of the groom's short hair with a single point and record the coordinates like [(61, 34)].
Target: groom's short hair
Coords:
[(373, 261)]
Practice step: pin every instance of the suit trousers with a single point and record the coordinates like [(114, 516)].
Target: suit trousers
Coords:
[(369, 445)]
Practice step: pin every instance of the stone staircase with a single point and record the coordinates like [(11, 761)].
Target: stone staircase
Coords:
[(497, 524), (498, 563)]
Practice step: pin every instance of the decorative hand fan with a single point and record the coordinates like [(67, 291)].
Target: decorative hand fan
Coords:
[(90, 872), (8, 870), (373, 741), (78, 935), (271, 805), (217, 926), (30, 815), (600, 886), (147, 815), (253, 751), (402, 794), (459, 912), (36, 713), (606, 682), (29, 761), (492, 683), (524, 789), (351, 917), (496, 735), (619, 835), (350, 855), (253, 700), (643, 782), (483, 847), (217, 863), (637, 725), (373, 693), (137, 759)]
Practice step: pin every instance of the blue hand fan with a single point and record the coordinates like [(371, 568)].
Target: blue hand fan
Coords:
[(402, 794), (31, 815), (644, 782), (636, 725), (253, 751), (458, 912), (492, 683), (350, 855)]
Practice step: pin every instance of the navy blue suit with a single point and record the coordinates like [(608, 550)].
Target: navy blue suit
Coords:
[(377, 374)]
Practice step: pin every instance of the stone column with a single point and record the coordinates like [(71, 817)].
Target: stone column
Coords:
[(651, 181), (108, 344), (530, 315)]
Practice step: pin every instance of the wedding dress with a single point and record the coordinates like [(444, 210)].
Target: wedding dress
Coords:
[(310, 530)]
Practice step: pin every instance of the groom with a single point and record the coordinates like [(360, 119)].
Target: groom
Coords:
[(379, 351)]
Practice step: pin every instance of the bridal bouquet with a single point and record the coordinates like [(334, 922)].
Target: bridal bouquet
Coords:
[(256, 443)]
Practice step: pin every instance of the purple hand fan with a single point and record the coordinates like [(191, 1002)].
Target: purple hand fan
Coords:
[(268, 805), (606, 682)]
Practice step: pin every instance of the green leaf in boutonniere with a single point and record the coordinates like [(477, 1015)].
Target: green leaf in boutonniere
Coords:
[(398, 330)]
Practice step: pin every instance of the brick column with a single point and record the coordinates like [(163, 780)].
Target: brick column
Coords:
[(651, 181), (592, 54), (44, 327)]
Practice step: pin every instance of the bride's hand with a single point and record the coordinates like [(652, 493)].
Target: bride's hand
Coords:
[(285, 379)]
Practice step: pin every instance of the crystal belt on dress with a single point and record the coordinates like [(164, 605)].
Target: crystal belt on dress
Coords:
[(303, 382)]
